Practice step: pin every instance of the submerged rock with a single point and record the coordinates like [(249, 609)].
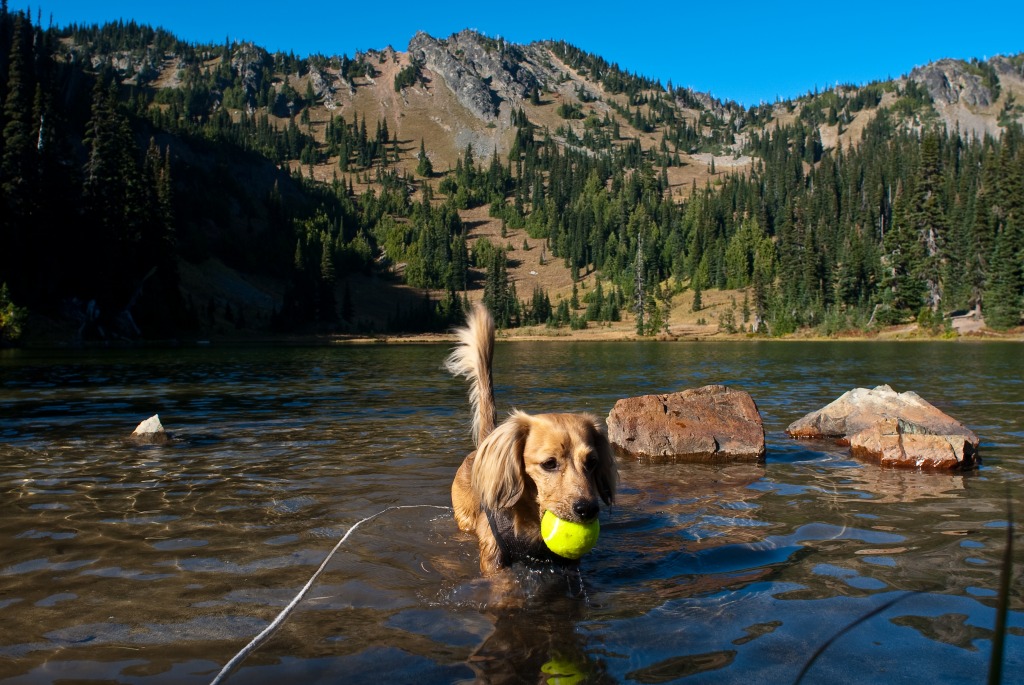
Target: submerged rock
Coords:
[(150, 432), (895, 429), (708, 424)]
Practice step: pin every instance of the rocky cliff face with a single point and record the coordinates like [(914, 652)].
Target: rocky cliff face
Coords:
[(248, 61), (325, 87), (950, 82), (1004, 66), (481, 72), (974, 97)]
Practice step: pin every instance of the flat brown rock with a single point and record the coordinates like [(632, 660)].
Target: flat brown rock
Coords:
[(890, 444), (712, 423), (895, 429)]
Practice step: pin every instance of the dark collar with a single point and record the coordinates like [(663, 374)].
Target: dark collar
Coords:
[(517, 549)]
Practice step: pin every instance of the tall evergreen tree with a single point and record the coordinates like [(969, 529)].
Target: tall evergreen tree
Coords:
[(17, 141), (16, 148), (640, 285), (1003, 301), (423, 167)]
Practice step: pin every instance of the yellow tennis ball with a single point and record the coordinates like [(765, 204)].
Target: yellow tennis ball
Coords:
[(567, 538), (562, 672)]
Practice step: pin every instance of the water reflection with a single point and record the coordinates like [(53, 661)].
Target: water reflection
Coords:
[(538, 643), (890, 485)]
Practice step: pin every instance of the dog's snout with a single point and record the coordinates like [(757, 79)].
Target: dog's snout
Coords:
[(586, 509)]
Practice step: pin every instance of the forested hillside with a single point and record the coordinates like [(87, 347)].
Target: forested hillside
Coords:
[(152, 188)]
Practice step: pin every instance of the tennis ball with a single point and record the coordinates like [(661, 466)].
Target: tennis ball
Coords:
[(566, 538), (562, 672)]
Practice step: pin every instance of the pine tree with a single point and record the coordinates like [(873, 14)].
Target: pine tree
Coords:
[(903, 292), (17, 144), (930, 221), (424, 168), (596, 308), (1002, 303), (498, 293), (639, 285), (299, 258), (114, 191), (325, 287), (326, 262)]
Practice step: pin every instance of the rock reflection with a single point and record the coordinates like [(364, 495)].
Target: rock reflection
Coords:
[(757, 630), (678, 667), (682, 508), (951, 629), (901, 485)]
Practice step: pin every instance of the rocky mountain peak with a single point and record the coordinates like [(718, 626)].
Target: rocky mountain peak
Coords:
[(481, 71), (951, 81), (248, 61), (976, 96)]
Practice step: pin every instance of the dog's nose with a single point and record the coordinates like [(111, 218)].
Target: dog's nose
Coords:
[(586, 509)]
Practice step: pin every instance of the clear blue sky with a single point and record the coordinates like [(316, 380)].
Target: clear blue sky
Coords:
[(738, 50)]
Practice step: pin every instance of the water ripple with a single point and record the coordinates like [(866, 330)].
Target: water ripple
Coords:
[(176, 555)]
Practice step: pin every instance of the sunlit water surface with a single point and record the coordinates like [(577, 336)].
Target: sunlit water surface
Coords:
[(154, 564)]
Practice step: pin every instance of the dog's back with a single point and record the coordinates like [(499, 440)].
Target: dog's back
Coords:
[(471, 358)]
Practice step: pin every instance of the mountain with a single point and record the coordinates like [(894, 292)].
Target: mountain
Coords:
[(372, 193)]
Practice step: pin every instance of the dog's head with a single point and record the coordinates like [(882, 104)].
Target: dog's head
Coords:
[(562, 462)]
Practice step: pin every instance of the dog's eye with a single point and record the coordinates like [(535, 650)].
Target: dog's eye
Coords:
[(550, 465), (590, 463)]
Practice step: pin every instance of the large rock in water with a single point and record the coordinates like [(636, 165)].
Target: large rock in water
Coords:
[(896, 429), (894, 442), (712, 423)]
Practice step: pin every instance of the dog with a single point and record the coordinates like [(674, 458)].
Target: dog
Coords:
[(529, 464)]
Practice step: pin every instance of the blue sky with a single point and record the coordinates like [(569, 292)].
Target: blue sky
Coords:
[(743, 51)]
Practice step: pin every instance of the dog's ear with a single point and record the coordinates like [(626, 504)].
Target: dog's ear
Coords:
[(606, 474), (498, 470)]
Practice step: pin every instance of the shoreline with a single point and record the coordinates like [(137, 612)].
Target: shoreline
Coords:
[(619, 332), (627, 335)]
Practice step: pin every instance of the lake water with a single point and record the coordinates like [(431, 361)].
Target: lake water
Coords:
[(129, 564)]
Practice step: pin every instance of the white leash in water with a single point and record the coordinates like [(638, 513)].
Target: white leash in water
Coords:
[(276, 623)]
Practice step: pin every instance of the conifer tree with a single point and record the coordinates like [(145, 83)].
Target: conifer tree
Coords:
[(930, 221), (424, 168), (1002, 304), (499, 293), (640, 285), (17, 144), (325, 287)]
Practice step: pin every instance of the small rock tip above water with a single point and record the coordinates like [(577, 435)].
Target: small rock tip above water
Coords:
[(150, 432)]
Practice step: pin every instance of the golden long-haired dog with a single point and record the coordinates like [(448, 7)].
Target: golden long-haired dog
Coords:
[(529, 464)]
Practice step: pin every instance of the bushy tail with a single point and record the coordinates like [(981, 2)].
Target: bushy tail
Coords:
[(471, 358)]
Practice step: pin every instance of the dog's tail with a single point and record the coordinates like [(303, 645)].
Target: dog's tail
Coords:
[(472, 358)]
